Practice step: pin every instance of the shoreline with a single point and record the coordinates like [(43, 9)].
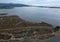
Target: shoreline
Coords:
[(20, 22), (52, 37)]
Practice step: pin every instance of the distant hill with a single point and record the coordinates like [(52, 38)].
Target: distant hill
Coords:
[(48, 6), (11, 4)]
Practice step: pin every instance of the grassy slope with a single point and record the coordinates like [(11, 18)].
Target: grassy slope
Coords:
[(15, 21), (13, 24)]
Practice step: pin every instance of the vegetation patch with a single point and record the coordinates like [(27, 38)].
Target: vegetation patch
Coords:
[(17, 27), (4, 37)]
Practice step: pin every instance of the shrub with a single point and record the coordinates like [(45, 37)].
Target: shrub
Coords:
[(4, 36)]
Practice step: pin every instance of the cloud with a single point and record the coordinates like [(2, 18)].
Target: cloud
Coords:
[(41, 2), (33, 2)]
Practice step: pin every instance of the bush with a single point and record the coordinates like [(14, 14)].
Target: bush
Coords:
[(5, 37), (56, 28)]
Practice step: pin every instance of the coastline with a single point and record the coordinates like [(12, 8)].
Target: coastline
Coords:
[(24, 24), (56, 34)]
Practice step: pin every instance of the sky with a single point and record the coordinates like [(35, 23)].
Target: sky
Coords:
[(34, 2)]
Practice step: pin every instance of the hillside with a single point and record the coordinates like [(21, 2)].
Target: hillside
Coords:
[(16, 21), (13, 28)]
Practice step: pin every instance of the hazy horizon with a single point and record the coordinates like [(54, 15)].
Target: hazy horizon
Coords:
[(34, 2)]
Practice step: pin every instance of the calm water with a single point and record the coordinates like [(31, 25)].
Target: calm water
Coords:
[(36, 14), (55, 39)]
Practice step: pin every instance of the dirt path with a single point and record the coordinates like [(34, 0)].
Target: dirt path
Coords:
[(57, 33), (19, 28)]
